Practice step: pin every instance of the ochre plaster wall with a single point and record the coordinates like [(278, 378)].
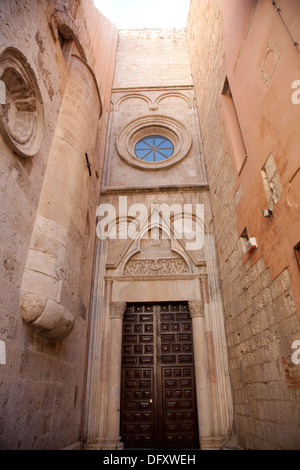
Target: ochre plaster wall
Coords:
[(247, 43)]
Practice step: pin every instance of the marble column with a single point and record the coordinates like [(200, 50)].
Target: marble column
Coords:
[(113, 439), (204, 405)]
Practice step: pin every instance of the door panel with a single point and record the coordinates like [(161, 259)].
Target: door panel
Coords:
[(158, 403), (137, 377)]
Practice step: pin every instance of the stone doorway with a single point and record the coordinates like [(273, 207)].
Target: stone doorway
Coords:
[(158, 392)]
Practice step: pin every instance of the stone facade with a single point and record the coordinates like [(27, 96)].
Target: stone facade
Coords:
[(137, 269)]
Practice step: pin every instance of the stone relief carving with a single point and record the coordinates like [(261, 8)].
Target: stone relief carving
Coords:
[(155, 267), (196, 308), (117, 310), (152, 101), (22, 115)]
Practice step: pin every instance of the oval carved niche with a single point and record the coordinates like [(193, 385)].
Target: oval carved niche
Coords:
[(22, 114)]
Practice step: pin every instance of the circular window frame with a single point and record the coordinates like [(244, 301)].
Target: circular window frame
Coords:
[(153, 125)]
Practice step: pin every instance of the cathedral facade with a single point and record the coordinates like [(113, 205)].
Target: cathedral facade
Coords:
[(150, 228)]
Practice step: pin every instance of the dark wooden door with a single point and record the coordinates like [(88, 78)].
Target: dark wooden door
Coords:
[(158, 402)]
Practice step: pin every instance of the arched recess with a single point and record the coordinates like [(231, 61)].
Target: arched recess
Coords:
[(130, 96), (165, 96), (157, 229)]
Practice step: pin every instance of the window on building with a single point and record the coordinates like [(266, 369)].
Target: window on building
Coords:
[(154, 148), (233, 127)]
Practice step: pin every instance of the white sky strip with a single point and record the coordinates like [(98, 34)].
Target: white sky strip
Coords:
[(139, 14)]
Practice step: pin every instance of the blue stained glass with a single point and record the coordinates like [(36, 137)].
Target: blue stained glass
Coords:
[(154, 148)]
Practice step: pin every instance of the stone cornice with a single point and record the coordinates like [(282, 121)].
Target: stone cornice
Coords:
[(152, 88), (199, 187), (166, 277)]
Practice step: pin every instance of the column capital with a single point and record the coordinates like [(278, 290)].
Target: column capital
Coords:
[(117, 310), (196, 308)]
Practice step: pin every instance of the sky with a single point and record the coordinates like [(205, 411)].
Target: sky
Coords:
[(138, 14)]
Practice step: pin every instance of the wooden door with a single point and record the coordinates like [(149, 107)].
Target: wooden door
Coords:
[(158, 402)]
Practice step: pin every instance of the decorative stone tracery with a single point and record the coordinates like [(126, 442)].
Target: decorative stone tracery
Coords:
[(162, 125)]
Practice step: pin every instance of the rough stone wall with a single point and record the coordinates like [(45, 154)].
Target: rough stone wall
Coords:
[(260, 311), (157, 58), (42, 381)]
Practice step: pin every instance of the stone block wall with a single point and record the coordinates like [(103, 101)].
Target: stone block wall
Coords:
[(156, 58), (260, 294), (42, 380)]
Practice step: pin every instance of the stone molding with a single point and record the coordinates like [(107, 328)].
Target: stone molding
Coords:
[(211, 443), (198, 187), (22, 115), (117, 310), (196, 308), (153, 104), (153, 88)]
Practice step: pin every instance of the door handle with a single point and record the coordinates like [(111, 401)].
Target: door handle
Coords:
[(150, 401)]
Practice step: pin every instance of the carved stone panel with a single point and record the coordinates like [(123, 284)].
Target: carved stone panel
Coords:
[(154, 267), (22, 115), (155, 258), (270, 61)]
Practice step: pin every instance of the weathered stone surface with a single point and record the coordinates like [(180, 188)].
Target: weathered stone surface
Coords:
[(260, 294), (232, 51), (37, 410)]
